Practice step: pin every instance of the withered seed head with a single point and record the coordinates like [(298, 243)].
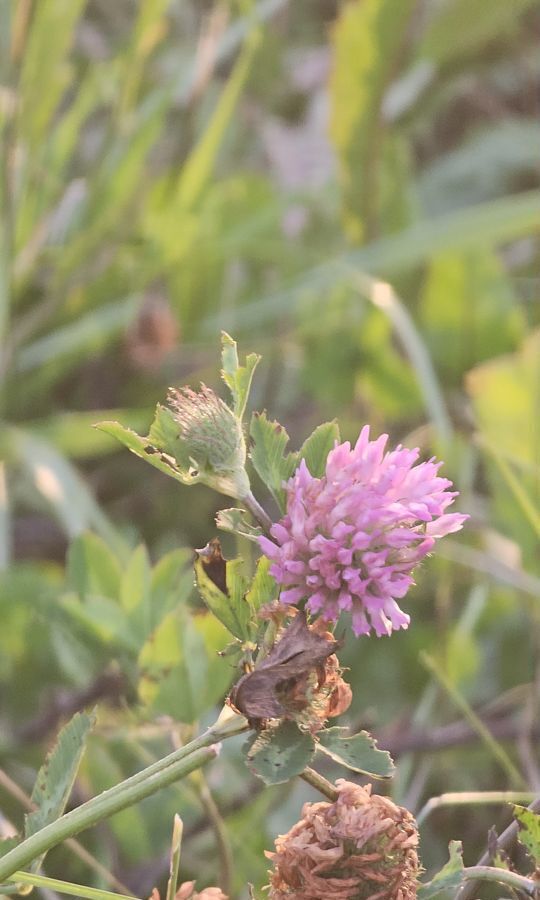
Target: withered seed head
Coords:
[(362, 847)]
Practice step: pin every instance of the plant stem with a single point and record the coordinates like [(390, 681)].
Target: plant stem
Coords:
[(498, 752), (257, 511), (220, 832), (160, 774), (64, 887), (176, 850), (81, 852), (504, 841), (319, 782), (472, 798), (528, 886)]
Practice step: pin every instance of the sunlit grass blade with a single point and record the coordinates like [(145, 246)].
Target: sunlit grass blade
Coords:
[(530, 513), (65, 887), (61, 486), (89, 333), (385, 298), (484, 224), (495, 749), (176, 849)]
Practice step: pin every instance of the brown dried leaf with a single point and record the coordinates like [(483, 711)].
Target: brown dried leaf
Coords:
[(214, 564)]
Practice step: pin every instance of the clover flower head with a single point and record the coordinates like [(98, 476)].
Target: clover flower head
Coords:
[(360, 846), (350, 540)]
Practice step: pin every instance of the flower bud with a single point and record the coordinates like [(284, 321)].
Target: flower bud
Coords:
[(213, 439), (362, 846)]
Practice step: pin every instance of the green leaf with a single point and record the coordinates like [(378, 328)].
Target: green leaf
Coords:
[(368, 37), (92, 568), (448, 879), (142, 447), (197, 169), (102, 618), (237, 378), (7, 844), (235, 521), (56, 777), (231, 608), (505, 389), (135, 584), (357, 752), (263, 588), (445, 39), (504, 394), (74, 435), (89, 334), (171, 581), (318, 445), (181, 673), (529, 831), (278, 754), (135, 597), (45, 72), (272, 464), (484, 224), (458, 333)]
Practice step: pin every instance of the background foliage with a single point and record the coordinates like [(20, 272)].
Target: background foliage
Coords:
[(170, 169)]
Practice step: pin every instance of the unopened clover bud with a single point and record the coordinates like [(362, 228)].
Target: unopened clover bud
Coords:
[(213, 439), (362, 846)]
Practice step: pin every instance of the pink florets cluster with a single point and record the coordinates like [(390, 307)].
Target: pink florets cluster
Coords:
[(350, 539)]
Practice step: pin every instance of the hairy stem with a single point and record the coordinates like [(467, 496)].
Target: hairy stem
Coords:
[(160, 774)]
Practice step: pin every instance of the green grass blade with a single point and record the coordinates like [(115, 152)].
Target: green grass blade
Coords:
[(485, 224)]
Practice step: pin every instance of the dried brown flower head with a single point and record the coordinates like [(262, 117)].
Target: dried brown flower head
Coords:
[(362, 847)]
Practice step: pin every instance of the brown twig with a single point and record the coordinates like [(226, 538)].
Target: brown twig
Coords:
[(109, 685)]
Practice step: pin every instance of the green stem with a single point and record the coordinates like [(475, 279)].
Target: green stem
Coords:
[(472, 798), (498, 752), (257, 511), (320, 783), (160, 774), (65, 887), (502, 876), (220, 832)]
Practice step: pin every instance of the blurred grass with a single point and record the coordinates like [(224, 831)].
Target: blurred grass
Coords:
[(168, 170)]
